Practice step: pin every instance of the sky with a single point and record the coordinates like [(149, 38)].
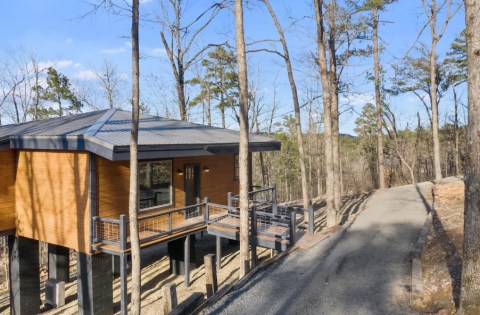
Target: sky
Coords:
[(68, 35)]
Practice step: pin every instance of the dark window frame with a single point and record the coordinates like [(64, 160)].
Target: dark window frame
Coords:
[(172, 186)]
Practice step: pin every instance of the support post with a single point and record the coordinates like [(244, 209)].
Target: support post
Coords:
[(123, 284), (58, 263), (206, 214), (94, 284), (187, 261), (210, 275), (218, 251), (123, 232), (229, 200), (293, 221), (253, 237), (311, 223), (24, 275), (169, 297)]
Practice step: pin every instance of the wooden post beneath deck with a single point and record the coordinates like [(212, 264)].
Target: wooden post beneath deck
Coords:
[(187, 261), (219, 251), (123, 285), (169, 297), (210, 275)]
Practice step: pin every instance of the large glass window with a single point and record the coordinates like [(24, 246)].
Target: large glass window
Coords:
[(155, 183)]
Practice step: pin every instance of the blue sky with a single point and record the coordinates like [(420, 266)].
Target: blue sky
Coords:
[(59, 33)]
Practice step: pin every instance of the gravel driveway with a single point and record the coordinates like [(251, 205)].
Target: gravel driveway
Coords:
[(363, 270)]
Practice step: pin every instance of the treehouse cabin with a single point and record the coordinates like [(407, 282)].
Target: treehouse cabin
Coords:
[(65, 181)]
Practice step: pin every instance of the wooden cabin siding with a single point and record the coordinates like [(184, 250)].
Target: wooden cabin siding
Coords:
[(52, 198), (113, 182), (7, 190)]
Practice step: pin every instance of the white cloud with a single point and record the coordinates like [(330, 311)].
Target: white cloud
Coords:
[(158, 52), (111, 51), (78, 64), (84, 75), (68, 40), (359, 99), (57, 64)]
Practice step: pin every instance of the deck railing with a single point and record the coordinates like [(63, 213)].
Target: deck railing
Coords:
[(116, 232)]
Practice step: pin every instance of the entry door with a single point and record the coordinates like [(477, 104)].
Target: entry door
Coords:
[(192, 187)]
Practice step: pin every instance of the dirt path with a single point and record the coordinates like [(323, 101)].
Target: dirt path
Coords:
[(363, 270)]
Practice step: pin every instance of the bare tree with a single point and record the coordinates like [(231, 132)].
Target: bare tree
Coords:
[(243, 148), (181, 42), (470, 295), (133, 196), (327, 113), (19, 75), (296, 105), (111, 81), (432, 11)]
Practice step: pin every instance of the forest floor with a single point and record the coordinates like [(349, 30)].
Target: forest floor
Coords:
[(442, 258)]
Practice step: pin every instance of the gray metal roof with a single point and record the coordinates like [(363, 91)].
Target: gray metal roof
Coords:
[(107, 133)]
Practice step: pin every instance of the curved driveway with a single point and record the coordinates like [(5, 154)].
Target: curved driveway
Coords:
[(363, 270)]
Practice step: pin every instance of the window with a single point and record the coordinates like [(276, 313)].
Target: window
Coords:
[(155, 184)]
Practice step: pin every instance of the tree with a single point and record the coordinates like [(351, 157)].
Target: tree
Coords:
[(296, 105), (366, 129), (58, 89), (220, 81), (182, 39), (470, 294), (456, 65), (20, 74), (414, 75), (327, 113), (111, 81), (432, 12), (243, 147), (375, 6), (133, 195)]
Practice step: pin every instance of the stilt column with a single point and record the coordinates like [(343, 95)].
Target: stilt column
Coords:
[(58, 263), (24, 275), (95, 284)]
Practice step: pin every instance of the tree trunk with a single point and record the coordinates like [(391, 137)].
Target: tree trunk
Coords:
[(433, 94), (243, 150), (378, 102), (296, 107), (337, 190), (470, 295), (133, 196), (180, 84), (326, 96), (455, 131)]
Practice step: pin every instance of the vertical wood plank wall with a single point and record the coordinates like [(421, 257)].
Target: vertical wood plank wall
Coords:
[(7, 190), (113, 182), (52, 197)]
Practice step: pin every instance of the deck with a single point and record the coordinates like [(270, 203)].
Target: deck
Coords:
[(274, 225)]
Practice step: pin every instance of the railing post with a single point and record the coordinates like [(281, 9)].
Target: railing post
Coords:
[(274, 193), (229, 200), (206, 210), (93, 233), (311, 223), (170, 223), (293, 224), (253, 237), (123, 232)]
